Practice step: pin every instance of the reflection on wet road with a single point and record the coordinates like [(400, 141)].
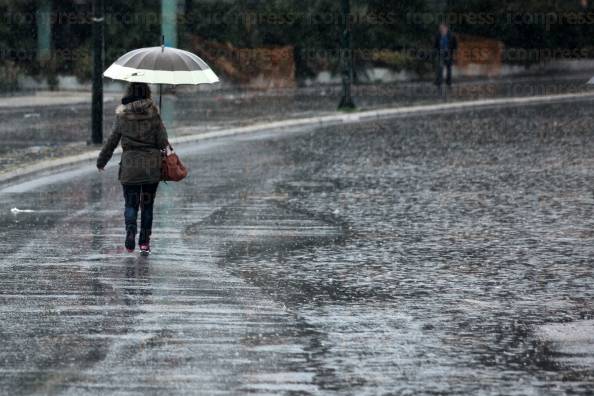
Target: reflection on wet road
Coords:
[(406, 256)]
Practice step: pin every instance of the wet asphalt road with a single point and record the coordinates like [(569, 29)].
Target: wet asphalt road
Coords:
[(31, 133), (408, 256)]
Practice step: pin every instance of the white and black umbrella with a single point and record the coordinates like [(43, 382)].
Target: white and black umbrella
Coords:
[(161, 65)]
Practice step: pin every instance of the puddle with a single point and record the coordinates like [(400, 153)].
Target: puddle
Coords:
[(569, 344), (264, 226)]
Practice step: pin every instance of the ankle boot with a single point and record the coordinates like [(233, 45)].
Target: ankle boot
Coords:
[(130, 242), (145, 237)]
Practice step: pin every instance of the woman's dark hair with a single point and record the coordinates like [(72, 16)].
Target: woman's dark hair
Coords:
[(138, 90)]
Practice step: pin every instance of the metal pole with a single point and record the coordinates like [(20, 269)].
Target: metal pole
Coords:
[(161, 85), (346, 58), (98, 40), (169, 21), (44, 30)]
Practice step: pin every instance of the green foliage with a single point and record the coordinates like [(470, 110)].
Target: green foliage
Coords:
[(17, 41), (527, 23), (129, 25), (389, 31)]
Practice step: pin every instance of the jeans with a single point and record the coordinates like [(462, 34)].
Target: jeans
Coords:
[(441, 63), (140, 196)]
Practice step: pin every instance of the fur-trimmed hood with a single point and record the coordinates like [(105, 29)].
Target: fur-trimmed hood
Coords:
[(137, 110)]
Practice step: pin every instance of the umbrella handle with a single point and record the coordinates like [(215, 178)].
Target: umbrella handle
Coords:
[(160, 87)]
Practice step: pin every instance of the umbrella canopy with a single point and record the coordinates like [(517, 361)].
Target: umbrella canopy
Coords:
[(161, 65)]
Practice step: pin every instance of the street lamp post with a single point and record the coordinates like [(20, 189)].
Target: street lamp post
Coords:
[(44, 31), (346, 58), (97, 106)]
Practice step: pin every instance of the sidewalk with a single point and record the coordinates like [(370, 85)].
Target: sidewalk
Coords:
[(50, 98), (56, 125)]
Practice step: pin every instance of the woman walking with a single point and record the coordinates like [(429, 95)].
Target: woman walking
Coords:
[(142, 133)]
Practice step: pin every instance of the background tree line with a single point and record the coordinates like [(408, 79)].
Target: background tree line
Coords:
[(313, 27)]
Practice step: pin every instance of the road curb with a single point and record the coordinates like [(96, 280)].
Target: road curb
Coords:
[(318, 121)]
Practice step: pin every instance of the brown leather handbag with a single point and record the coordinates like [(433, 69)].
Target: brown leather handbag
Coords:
[(172, 168)]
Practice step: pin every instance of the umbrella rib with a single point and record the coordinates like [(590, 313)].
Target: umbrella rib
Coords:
[(196, 59), (155, 65), (127, 56), (147, 53), (184, 60)]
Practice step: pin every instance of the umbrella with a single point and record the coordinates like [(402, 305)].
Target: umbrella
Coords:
[(161, 65)]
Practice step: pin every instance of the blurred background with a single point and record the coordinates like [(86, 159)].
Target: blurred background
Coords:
[(47, 44), (277, 59)]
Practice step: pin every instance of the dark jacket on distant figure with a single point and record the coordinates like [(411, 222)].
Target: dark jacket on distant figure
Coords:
[(138, 125), (446, 55)]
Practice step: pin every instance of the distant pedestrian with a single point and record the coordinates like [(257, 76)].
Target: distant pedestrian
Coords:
[(139, 127), (445, 46)]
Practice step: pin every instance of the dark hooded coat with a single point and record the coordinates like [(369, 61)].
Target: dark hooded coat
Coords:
[(139, 127), (448, 54)]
